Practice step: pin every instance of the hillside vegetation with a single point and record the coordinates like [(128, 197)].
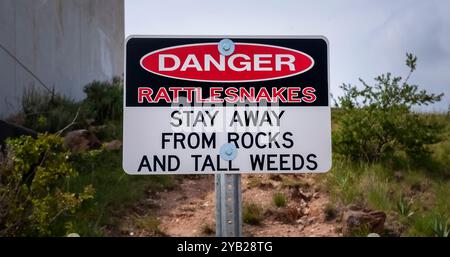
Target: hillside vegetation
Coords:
[(386, 157)]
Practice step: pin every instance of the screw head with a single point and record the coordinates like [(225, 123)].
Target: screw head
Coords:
[(228, 152), (226, 47)]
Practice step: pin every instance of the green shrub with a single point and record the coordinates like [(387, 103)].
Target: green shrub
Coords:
[(47, 112), (254, 181), (441, 153), (207, 229), (33, 181), (150, 224), (104, 100), (50, 112), (116, 192), (430, 224), (441, 202), (441, 228), (252, 214), (405, 208), (376, 121), (343, 181), (279, 199), (376, 192)]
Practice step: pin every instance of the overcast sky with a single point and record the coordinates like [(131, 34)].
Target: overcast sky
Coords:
[(367, 38)]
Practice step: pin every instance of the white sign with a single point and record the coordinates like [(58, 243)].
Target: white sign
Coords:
[(226, 104)]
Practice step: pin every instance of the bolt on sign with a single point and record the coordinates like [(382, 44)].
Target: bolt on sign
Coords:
[(202, 105)]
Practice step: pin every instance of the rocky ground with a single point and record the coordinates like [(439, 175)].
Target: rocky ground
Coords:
[(189, 209)]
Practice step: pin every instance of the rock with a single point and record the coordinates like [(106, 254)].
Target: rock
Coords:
[(275, 177), (90, 121), (73, 235), (113, 145), (303, 204), (288, 215), (354, 207), (373, 235), (81, 140), (398, 175), (306, 211), (316, 195), (152, 203), (355, 221), (299, 194), (338, 230), (265, 185), (269, 212), (394, 227)]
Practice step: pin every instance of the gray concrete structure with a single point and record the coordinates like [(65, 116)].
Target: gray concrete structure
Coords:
[(66, 43)]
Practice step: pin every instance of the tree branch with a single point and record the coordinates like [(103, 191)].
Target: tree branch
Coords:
[(69, 125)]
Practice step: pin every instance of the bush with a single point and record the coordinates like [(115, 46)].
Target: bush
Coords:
[(207, 229), (150, 224), (377, 191), (279, 199), (116, 192), (252, 214), (104, 100), (33, 181), (441, 228), (50, 112), (376, 121), (430, 224), (343, 180), (47, 112)]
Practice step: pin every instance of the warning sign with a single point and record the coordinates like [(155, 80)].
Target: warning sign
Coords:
[(226, 105)]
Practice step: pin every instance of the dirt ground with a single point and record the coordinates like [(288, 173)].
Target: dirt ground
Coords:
[(189, 209)]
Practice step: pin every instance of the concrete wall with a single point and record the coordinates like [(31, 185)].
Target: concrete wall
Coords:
[(66, 43)]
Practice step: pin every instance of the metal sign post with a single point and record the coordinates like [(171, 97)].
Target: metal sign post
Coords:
[(228, 205), (228, 186)]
